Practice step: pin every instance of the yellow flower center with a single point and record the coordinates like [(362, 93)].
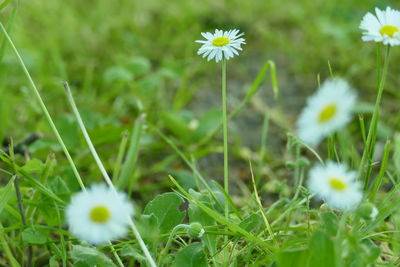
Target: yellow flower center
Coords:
[(221, 41), (100, 214), (327, 113), (337, 184), (389, 30)]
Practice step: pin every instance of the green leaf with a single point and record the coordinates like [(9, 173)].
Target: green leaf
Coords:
[(58, 186), (178, 123), (68, 128), (53, 261), (165, 208), (251, 222), (148, 85), (292, 258), (322, 250), (33, 166), (90, 256), (185, 178), (107, 133), (80, 264), (6, 193), (117, 74), (222, 219), (196, 214), (33, 236), (191, 256), (330, 222), (149, 227), (138, 65), (208, 123), (129, 251), (4, 4)]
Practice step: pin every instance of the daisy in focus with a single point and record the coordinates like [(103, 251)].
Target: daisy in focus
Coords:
[(220, 44), (328, 110), (99, 214), (335, 185), (383, 27)]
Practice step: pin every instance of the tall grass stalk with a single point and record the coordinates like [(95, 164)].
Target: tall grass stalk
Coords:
[(369, 148), (44, 109), (103, 170), (133, 150)]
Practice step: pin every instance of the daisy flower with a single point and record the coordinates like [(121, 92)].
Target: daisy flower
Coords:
[(221, 44), (335, 185), (99, 214), (327, 111), (384, 27)]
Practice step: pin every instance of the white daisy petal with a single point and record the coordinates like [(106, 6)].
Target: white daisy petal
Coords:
[(383, 27), (327, 111), (337, 186), (99, 214), (220, 44)]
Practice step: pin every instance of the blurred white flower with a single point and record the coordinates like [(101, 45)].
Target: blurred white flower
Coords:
[(327, 111), (99, 214), (334, 184), (383, 27), (221, 44)]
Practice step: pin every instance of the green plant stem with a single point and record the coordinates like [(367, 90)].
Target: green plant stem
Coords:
[(9, 25), (23, 219), (132, 154), (371, 138), (87, 137), (188, 163), (114, 252), (48, 166), (62, 240), (142, 244), (222, 219), (260, 207), (169, 241), (263, 145), (225, 133), (6, 249), (340, 235), (254, 88), (120, 156), (44, 109), (104, 172), (379, 180)]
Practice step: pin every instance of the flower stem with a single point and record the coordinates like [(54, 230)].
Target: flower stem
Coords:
[(225, 133), (44, 109), (114, 252), (142, 245), (371, 138), (169, 241), (103, 170)]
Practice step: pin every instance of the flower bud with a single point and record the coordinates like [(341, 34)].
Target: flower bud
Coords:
[(196, 230), (367, 211)]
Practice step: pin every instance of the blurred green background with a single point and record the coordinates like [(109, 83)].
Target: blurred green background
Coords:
[(123, 58)]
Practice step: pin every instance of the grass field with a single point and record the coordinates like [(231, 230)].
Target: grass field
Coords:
[(152, 108)]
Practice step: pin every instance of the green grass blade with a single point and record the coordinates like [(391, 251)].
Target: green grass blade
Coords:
[(133, 150)]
